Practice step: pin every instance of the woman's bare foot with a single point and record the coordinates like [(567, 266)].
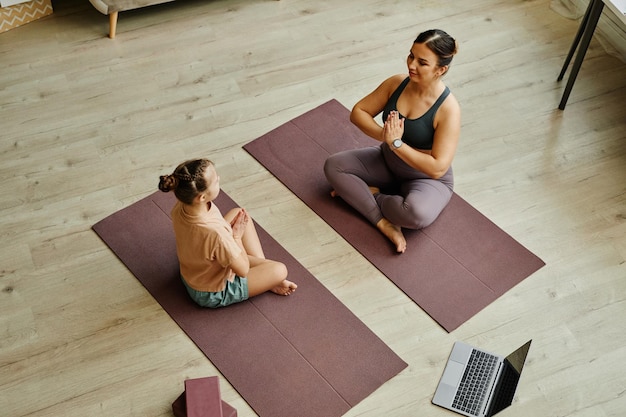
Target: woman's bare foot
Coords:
[(393, 233), (285, 288)]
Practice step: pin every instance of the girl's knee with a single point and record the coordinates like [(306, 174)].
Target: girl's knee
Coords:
[(232, 213), (280, 271)]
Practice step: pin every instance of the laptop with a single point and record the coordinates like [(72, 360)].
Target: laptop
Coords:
[(478, 383)]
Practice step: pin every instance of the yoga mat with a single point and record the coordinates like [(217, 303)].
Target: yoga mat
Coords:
[(301, 355), (451, 269)]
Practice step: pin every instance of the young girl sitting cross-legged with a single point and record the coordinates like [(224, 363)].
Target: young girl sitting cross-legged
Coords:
[(221, 258)]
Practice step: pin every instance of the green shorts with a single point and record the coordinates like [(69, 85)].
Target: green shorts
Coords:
[(234, 292)]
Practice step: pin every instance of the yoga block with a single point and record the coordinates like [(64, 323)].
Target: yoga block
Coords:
[(180, 408), (14, 15), (202, 398)]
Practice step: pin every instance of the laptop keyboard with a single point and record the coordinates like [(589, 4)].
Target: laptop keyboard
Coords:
[(474, 384)]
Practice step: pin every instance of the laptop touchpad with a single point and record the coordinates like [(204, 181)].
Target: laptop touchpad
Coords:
[(453, 373)]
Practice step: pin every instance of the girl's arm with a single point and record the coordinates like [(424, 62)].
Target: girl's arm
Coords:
[(241, 264)]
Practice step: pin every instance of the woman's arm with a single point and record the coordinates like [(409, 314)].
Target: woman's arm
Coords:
[(447, 131), (370, 106)]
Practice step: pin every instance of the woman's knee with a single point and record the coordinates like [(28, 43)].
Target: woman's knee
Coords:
[(332, 166), (341, 162), (418, 216)]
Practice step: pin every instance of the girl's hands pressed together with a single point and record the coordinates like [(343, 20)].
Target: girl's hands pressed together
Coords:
[(239, 223)]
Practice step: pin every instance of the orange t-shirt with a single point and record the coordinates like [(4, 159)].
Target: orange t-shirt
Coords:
[(205, 247)]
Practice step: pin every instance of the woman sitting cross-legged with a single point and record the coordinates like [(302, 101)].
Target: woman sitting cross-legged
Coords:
[(407, 180)]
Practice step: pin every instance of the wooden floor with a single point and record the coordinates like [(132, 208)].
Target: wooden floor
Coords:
[(88, 124)]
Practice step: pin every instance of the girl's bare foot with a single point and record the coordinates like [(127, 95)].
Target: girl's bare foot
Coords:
[(285, 288), (393, 233)]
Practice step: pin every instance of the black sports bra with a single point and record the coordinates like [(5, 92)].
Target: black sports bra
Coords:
[(418, 133)]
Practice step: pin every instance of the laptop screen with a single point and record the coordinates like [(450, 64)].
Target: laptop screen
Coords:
[(517, 358), (507, 383)]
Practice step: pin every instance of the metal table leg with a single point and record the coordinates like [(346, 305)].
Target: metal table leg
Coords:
[(584, 35)]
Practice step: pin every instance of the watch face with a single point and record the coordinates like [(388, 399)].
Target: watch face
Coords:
[(397, 143)]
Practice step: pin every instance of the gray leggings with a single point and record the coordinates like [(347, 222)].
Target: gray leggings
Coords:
[(408, 198)]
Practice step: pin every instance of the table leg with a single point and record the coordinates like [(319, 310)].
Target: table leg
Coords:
[(581, 29), (590, 21)]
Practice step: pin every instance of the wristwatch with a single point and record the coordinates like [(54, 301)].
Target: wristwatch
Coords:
[(396, 143)]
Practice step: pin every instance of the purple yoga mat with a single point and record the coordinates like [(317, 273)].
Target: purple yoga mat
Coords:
[(451, 269), (301, 355)]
